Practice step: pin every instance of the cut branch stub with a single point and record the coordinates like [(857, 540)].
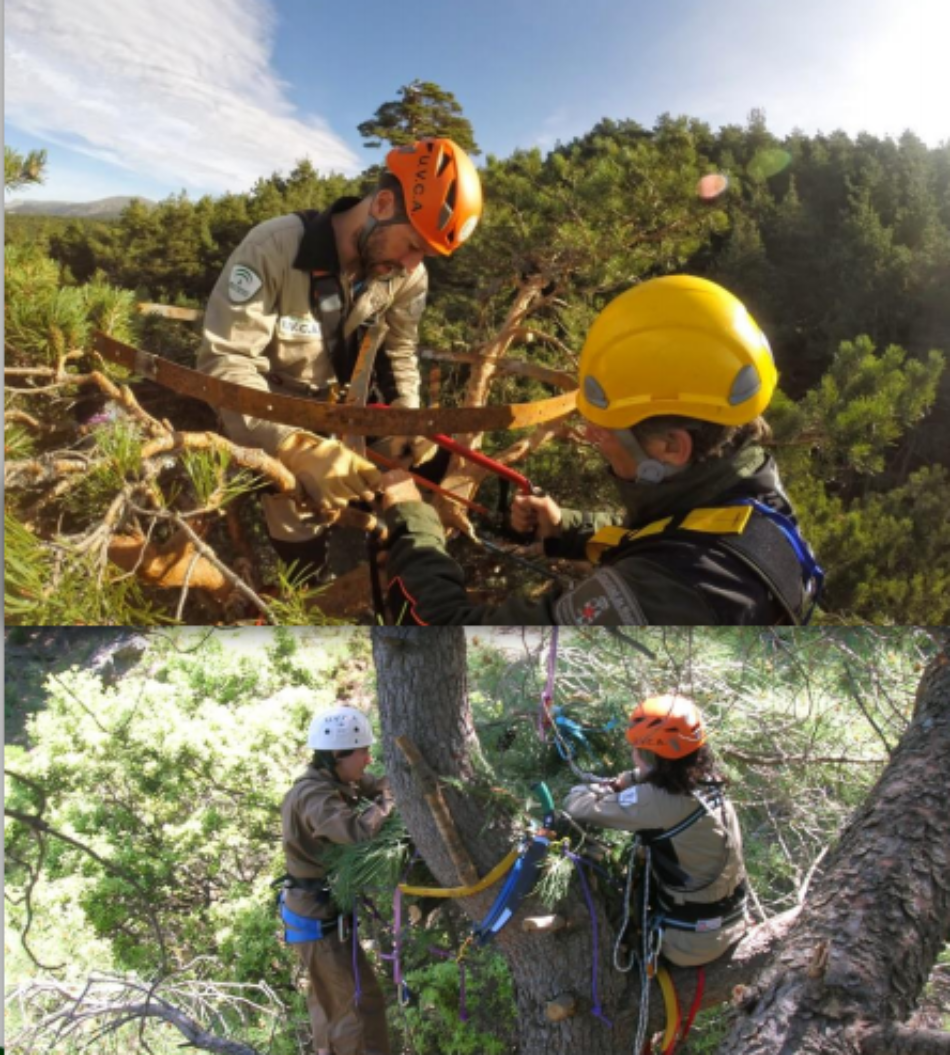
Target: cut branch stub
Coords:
[(432, 793)]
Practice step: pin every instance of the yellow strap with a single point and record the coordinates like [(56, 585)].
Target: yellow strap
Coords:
[(727, 520), (464, 891), (609, 537), (672, 1006)]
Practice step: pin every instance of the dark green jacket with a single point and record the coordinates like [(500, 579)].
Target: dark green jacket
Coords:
[(671, 580)]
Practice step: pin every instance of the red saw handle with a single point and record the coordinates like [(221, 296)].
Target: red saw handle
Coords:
[(523, 484)]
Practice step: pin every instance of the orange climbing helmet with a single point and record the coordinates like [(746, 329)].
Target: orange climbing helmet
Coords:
[(669, 726), (442, 191)]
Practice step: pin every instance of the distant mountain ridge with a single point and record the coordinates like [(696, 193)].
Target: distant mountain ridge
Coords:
[(104, 209)]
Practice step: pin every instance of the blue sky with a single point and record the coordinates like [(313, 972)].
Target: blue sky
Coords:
[(134, 97)]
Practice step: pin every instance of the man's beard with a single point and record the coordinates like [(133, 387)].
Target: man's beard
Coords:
[(374, 262)]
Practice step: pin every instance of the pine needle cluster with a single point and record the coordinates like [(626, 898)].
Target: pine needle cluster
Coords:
[(375, 865)]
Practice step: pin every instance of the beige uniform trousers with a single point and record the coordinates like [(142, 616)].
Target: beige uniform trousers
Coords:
[(339, 1024)]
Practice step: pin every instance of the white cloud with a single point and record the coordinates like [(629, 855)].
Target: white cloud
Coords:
[(181, 90)]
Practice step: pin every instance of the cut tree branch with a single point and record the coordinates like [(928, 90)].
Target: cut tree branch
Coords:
[(432, 793)]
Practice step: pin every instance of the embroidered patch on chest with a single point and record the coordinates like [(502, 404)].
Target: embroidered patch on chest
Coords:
[(604, 599), (627, 797), (297, 328), (243, 283)]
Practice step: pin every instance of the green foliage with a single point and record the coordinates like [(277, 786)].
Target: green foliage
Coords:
[(176, 779), (555, 881), (21, 170), (864, 404), (842, 460), (210, 480), (422, 109), (369, 867), (47, 326), (41, 588), (432, 1021), (902, 534)]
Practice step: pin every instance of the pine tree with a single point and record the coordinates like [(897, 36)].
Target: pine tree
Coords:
[(21, 170), (423, 109)]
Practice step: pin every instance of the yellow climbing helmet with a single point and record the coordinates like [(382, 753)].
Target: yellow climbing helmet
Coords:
[(675, 345)]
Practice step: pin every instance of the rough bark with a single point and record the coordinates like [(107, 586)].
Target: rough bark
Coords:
[(421, 678), (870, 932)]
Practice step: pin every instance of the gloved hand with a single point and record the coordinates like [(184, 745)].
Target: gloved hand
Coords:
[(398, 486), (407, 450), (386, 802), (330, 473), (538, 516)]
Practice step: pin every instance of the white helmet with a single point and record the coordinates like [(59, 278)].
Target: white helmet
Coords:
[(340, 729)]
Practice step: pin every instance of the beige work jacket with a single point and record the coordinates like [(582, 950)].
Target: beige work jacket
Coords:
[(709, 852), (259, 321), (319, 811)]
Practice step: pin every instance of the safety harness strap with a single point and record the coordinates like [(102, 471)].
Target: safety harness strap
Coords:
[(493, 876), (327, 303), (764, 540), (671, 1005), (298, 929), (518, 884)]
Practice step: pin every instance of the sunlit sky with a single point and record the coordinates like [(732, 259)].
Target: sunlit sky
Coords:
[(205, 96)]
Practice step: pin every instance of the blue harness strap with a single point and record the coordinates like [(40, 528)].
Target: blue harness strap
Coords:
[(518, 884), (298, 929), (813, 575)]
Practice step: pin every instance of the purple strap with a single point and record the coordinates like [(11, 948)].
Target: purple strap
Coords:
[(548, 695), (358, 991), (397, 939), (595, 992)]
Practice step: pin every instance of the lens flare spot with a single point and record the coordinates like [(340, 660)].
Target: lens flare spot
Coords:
[(712, 187), (767, 163)]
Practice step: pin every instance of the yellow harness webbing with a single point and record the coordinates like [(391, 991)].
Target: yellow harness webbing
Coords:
[(672, 1006), (464, 891), (727, 520)]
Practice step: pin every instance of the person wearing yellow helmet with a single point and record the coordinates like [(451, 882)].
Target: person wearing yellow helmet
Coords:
[(294, 301), (674, 377)]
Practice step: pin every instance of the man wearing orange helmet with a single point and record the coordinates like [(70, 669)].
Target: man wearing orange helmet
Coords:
[(673, 799), (294, 301), (674, 377)]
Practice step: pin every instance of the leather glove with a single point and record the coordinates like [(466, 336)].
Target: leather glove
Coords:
[(408, 450), (330, 473), (287, 522)]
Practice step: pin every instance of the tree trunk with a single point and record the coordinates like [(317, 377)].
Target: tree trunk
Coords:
[(875, 922), (421, 685)]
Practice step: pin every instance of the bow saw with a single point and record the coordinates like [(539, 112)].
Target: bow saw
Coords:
[(339, 418), (353, 419)]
